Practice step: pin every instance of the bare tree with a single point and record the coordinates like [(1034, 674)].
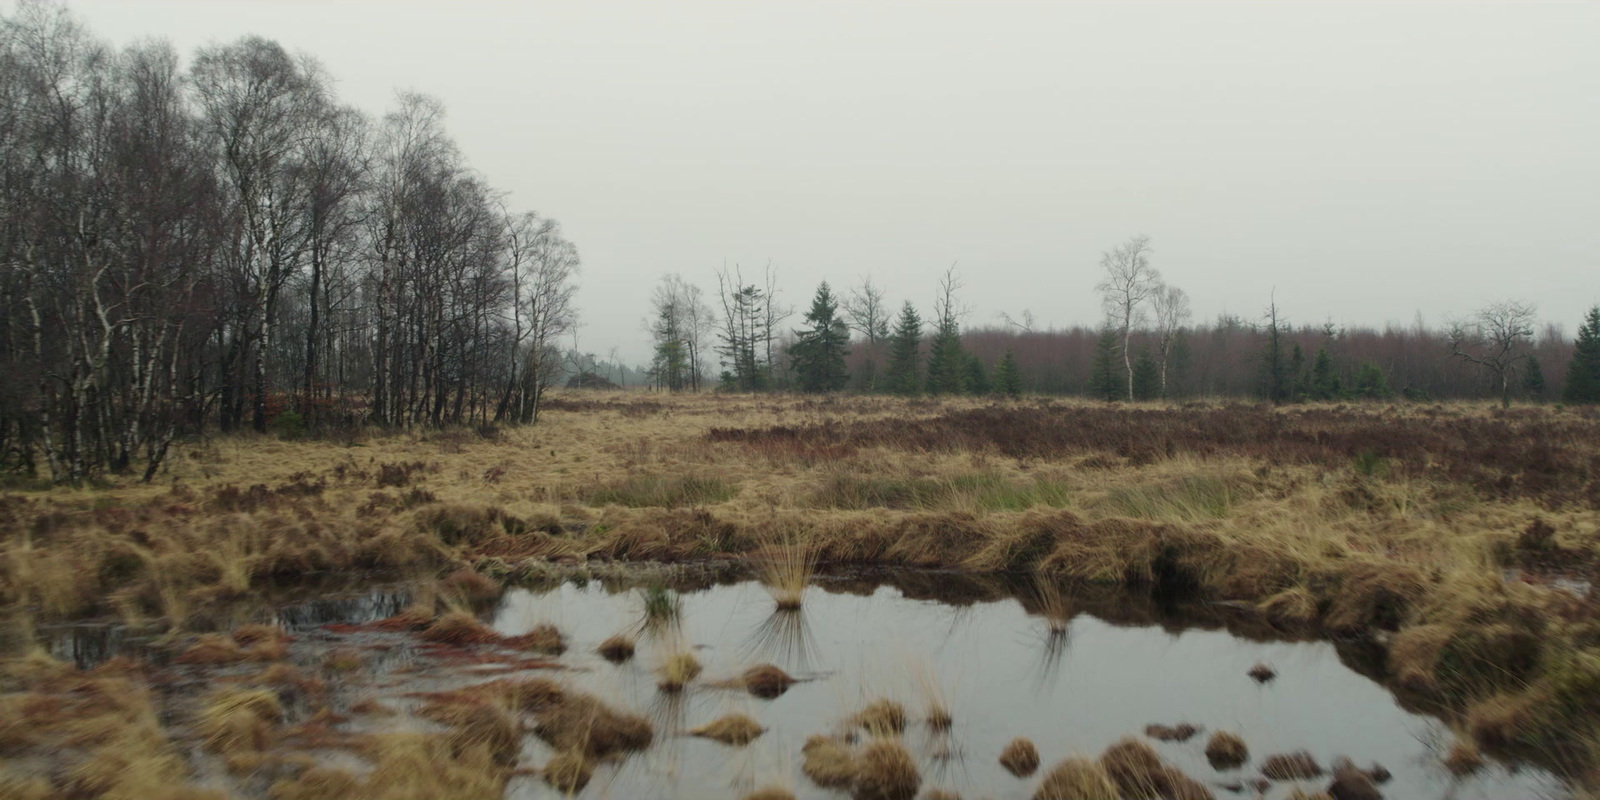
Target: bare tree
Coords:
[(1024, 325), (867, 312), (1496, 339), (1129, 282), (1171, 306)]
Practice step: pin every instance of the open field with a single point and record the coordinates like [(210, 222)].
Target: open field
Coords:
[(1457, 542)]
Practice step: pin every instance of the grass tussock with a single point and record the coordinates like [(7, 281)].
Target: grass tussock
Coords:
[(972, 492), (568, 772), (237, 721), (1225, 750), (784, 563), (1076, 779), (1020, 757), (458, 628), (1463, 758), (664, 491), (828, 763), (766, 681), (1182, 732), (885, 770), (617, 648), (677, 670), (544, 638), (881, 718), (733, 729), (1296, 766)]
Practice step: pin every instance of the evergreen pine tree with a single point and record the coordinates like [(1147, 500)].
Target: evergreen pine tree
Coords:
[(1370, 383), (1583, 372), (947, 362), (1324, 378), (1533, 379), (1146, 376), (1178, 358), (1104, 380), (905, 353), (1299, 379), (977, 378), (1007, 377), (818, 352)]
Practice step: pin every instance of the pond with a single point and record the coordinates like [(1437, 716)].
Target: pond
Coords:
[(1073, 672)]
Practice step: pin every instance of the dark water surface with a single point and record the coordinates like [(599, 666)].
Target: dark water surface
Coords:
[(1072, 682), (1003, 673)]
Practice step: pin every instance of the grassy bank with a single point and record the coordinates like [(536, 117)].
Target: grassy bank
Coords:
[(1437, 533)]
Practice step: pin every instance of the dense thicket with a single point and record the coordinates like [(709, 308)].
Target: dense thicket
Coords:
[(227, 244)]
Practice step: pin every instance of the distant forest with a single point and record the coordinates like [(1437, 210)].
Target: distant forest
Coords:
[(227, 246)]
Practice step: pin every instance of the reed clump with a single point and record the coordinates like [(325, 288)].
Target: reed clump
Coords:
[(1225, 750), (766, 681), (881, 718), (828, 762), (1020, 757), (1076, 779), (677, 671), (784, 563), (885, 770), (617, 648), (733, 729), (1296, 766)]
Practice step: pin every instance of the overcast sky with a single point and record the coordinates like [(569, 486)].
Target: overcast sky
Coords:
[(1368, 161)]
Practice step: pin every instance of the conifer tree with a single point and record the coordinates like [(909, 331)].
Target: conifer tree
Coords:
[(1583, 372), (977, 378), (818, 352), (1103, 377), (1007, 376), (1533, 379), (1299, 379), (905, 353), (1370, 383), (1146, 376), (948, 370), (1324, 378)]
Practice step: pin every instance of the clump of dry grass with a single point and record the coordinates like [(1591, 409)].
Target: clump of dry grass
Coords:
[(1225, 750), (1261, 673), (239, 720), (1296, 766), (784, 563), (1463, 758), (677, 671), (471, 586), (733, 729), (1182, 732), (1350, 783), (1076, 779), (766, 681), (249, 643), (544, 638), (616, 649), (1020, 757), (459, 627), (572, 721), (568, 772), (1135, 769), (317, 783), (881, 718), (828, 763), (885, 771)]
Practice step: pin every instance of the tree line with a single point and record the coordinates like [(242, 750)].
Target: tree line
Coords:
[(227, 244), (1147, 347)]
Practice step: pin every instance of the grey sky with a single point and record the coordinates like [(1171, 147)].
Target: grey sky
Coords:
[(1368, 160)]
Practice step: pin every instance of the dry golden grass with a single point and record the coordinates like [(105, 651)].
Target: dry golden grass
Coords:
[(1411, 543), (828, 763), (239, 720), (734, 729), (885, 770), (1225, 750), (1076, 779), (1020, 757), (881, 718), (677, 670)]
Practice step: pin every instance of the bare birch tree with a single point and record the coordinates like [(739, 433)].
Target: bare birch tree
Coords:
[(1128, 284), (1496, 339)]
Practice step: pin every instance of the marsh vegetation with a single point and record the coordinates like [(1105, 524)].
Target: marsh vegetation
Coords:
[(1422, 568)]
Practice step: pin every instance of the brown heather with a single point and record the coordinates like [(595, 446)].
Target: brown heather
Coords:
[(1393, 524)]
